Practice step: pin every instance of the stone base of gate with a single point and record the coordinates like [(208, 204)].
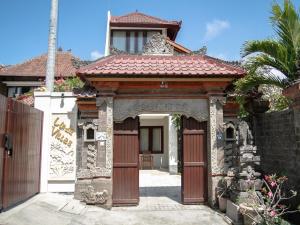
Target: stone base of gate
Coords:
[(96, 191)]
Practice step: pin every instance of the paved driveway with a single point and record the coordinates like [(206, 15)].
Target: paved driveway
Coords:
[(159, 204)]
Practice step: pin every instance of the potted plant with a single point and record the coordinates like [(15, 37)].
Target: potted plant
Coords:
[(267, 206), (222, 194)]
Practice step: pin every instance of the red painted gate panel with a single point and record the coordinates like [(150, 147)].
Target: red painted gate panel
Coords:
[(194, 176), (21, 165), (125, 163), (3, 106)]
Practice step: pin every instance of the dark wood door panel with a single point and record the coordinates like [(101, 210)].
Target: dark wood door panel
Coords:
[(194, 176), (126, 163)]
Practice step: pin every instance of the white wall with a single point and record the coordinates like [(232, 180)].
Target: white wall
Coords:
[(160, 160), (59, 140)]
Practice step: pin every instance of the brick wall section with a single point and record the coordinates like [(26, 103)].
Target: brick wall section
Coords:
[(277, 136)]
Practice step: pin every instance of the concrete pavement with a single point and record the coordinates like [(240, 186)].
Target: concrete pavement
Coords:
[(159, 204)]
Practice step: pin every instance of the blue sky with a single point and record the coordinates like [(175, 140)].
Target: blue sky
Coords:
[(223, 26)]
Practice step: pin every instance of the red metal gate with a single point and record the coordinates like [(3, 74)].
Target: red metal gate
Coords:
[(194, 176), (125, 163), (3, 106), (22, 139)]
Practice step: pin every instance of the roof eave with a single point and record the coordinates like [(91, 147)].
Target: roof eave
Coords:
[(87, 76)]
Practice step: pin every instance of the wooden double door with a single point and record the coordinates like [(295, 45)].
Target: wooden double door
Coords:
[(126, 162)]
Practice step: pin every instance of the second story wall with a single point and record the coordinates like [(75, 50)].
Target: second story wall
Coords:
[(129, 33)]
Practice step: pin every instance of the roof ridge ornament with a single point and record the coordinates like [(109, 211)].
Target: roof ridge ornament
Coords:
[(158, 45)]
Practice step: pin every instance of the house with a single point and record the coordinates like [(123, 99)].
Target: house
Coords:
[(127, 106), (21, 78)]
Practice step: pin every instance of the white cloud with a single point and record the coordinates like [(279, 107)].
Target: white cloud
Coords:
[(215, 28), (95, 55), (221, 56)]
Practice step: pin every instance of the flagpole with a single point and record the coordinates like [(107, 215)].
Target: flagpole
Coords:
[(50, 73)]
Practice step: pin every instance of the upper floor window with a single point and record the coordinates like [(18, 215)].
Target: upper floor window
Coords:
[(15, 91), (131, 41)]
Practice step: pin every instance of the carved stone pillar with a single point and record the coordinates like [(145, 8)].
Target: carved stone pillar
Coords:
[(216, 145), (94, 181)]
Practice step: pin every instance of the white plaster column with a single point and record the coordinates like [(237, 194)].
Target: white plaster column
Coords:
[(42, 101), (216, 144), (173, 148), (107, 40), (58, 140)]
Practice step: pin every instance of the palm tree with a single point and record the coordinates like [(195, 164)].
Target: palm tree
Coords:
[(280, 53), (52, 46)]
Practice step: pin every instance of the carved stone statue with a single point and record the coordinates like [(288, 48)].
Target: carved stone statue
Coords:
[(245, 135), (91, 197)]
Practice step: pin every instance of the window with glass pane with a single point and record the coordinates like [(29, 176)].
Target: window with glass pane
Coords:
[(140, 41), (156, 140), (119, 40), (132, 42), (144, 140)]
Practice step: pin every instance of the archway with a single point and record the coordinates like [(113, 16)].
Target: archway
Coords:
[(126, 147)]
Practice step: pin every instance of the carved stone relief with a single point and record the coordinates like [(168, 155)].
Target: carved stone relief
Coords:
[(62, 161), (196, 108), (89, 196), (62, 148), (89, 152), (215, 148), (157, 45), (91, 157)]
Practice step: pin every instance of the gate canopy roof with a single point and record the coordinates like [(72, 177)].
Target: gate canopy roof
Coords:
[(172, 66)]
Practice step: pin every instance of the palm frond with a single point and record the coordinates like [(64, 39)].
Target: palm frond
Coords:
[(282, 53), (263, 60), (253, 80), (269, 47)]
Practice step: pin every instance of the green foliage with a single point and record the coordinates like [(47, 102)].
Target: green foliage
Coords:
[(252, 80), (241, 101), (274, 95), (64, 85), (176, 120), (282, 52)]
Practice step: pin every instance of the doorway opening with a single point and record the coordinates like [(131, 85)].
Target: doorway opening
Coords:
[(159, 178)]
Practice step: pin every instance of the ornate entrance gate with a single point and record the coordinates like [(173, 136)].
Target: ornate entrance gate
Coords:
[(125, 162), (126, 168), (194, 174)]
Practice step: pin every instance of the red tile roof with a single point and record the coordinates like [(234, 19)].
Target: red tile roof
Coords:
[(36, 67), (161, 66), (140, 18), (26, 99)]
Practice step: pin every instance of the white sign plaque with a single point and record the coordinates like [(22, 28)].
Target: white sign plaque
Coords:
[(100, 136)]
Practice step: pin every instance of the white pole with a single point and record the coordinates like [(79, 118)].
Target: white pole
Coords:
[(50, 74)]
